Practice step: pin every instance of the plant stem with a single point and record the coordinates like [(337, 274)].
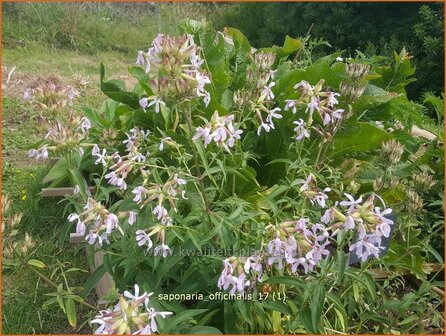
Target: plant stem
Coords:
[(197, 167)]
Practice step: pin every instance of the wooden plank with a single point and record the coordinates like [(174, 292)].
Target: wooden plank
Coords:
[(76, 238), (106, 282), (57, 192)]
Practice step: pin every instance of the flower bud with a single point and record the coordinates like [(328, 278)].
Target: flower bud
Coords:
[(353, 187), (394, 182), (378, 183)]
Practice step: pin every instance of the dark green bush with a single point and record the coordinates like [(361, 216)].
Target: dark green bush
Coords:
[(376, 28)]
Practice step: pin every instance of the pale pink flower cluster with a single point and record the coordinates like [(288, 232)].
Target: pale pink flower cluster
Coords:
[(174, 67), (220, 130), (369, 221), (238, 271), (168, 191), (62, 137), (131, 315), (314, 194), (312, 99), (298, 245), (123, 165), (99, 222)]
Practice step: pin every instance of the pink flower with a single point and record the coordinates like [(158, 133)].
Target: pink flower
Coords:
[(291, 104), (332, 98)]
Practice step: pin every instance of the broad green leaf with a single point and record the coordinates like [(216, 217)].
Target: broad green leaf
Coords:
[(357, 137), (116, 90)]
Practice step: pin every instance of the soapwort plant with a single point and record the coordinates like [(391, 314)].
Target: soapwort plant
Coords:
[(311, 168)]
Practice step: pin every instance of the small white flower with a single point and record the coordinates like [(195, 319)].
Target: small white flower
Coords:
[(132, 217), (267, 91), (301, 131), (143, 238), (163, 250), (140, 59)]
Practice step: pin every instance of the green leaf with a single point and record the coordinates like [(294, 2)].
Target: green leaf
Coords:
[(71, 312), (36, 263), (77, 179), (305, 316), (142, 78), (358, 137), (286, 280), (317, 305), (185, 315), (290, 46), (277, 306), (373, 97), (340, 310), (116, 90), (58, 171), (204, 330), (93, 280), (341, 262)]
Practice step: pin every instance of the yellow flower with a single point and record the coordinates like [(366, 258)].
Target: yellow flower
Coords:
[(24, 197)]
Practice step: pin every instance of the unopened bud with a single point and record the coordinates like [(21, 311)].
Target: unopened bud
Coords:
[(378, 183), (353, 187)]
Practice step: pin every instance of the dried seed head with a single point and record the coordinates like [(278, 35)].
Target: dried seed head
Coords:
[(351, 91), (423, 180), (357, 71), (42, 123), (6, 203), (418, 154), (414, 202), (241, 98), (391, 152), (264, 60), (16, 219)]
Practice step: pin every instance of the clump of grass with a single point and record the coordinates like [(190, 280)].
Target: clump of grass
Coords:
[(24, 295), (91, 28)]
